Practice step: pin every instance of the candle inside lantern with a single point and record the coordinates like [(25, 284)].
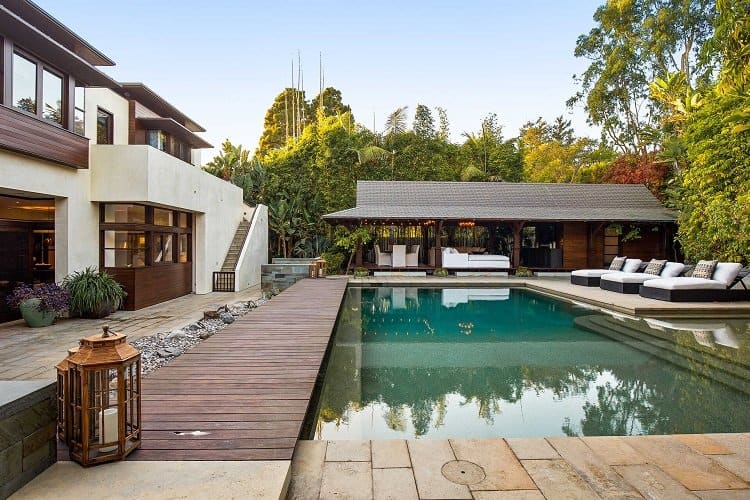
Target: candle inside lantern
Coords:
[(108, 428)]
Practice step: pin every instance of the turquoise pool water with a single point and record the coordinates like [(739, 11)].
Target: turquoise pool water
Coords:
[(448, 363)]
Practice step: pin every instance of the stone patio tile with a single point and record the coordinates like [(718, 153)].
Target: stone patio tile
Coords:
[(556, 479), (599, 476), (307, 470), (394, 484), (428, 457), (350, 480), (735, 464), (614, 451), (692, 469), (390, 453), (652, 482), (532, 449), (503, 470), (703, 444), (509, 495), (348, 451), (724, 494)]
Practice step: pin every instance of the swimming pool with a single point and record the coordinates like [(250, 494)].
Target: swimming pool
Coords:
[(491, 362)]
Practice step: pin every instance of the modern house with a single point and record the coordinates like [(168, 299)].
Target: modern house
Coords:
[(546, 227), (97, 172)]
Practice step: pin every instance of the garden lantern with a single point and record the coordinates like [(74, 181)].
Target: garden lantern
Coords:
[(322, 267), (102, 417), (63, 392)]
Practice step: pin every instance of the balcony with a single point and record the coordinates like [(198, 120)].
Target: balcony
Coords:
[(28, 135)]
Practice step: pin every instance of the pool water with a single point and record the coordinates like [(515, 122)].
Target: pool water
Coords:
[(491, 362)]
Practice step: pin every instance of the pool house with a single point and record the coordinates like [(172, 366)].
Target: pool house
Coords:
[(499, 226)]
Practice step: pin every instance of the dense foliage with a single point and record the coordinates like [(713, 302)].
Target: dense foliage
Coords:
[(667, 84)]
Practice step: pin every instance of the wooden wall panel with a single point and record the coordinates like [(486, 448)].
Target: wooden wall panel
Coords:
[(596, 246), (651, 245), (575, 245), (147, 286), (25, 134)]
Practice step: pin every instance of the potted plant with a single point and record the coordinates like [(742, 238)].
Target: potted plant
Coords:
[(361, 272), (40, 304), (93, 294)]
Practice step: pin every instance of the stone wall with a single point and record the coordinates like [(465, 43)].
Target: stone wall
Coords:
[(27, 432), (282, 273)]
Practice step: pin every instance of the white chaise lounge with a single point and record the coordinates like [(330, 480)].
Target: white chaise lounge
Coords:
[(623, 282), (591, 277), (688, 289), (453, 259)]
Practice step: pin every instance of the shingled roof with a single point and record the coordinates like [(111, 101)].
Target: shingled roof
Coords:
[(408, 200)]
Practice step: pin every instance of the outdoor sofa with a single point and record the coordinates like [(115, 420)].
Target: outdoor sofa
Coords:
[(453, 259), (622, 282), (719, 288), (591, 277)]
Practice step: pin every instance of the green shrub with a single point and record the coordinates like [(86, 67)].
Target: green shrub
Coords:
[(440, 272), (334, 261), (93, 293), (361, 272), (524, 272)]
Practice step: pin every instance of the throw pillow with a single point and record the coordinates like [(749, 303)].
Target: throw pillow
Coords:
[(655, 267), (704, 269), (617, 263)]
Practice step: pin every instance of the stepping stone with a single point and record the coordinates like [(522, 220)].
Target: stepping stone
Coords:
[(556, 479), (614, 450), (653, 482), (394, 484), (351, 480), (428, 457), (348, 451), (532, 449), (390, 453)]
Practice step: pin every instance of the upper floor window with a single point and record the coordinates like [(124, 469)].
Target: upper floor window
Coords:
[(104, 127), (80, 111), (24, 83), (52, 86), (157, 139)]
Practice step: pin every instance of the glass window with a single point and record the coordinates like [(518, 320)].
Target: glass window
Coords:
[(125, 214), (156, 139), (183, 220), (163, 217), (103, 127), (162, 248), (80, 111), (52, 97), (124, 249), (24, 84), (184, 254)]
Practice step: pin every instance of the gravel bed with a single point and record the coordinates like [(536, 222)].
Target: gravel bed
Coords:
[(159, 349)]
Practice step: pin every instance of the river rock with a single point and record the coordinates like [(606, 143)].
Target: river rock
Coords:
[(227, 318)]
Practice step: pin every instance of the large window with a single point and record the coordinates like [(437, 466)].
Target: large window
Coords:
[(124, 213), (104, 126), (157, 139), (163, 217), (24, 83), (162, 248), (124, 249), (52, 97), (80, 111)]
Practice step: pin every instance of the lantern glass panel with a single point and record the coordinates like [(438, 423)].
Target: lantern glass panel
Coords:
[(103, 410)]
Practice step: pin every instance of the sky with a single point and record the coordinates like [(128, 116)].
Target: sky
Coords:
[(223, 62)]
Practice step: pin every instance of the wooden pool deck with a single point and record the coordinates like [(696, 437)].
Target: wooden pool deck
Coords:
[(243, 393)]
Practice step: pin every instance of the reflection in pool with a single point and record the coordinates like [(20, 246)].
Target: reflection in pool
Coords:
[(437, 363)]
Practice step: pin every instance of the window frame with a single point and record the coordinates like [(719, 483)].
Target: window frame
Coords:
[(41, 66), (110, 126)]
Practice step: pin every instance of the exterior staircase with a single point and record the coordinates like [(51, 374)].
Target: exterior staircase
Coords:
[(224, 280)]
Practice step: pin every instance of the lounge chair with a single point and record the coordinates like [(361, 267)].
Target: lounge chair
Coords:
[(382, 258), (453, 259), (591, 277), (622, 282), (720, 288)]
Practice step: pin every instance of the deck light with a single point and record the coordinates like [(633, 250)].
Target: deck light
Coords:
[(101, 396)]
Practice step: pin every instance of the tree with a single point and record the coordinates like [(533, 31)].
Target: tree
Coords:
[(395, 124), (234, 164), (284, 120), (562, 131), (444, 126), (634, 42), (424, 123), (329, 103)]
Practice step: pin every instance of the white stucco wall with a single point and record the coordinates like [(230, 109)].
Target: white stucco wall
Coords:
[(142, 174), (111, 102), (76, 219), (254, 252)]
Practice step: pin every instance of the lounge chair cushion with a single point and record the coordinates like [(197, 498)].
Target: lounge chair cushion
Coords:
[(631, 265), (592, 273), (726, 272), (488, 257), (672, 269), (617, 263), (704, 269), (629, 277), (681, 283), (655, 267)]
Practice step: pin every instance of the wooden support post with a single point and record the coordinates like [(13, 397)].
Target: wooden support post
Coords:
[(517, 228), (438, 244)]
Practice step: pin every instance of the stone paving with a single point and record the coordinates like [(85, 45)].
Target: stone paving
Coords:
[(706, 466), (31, 353)]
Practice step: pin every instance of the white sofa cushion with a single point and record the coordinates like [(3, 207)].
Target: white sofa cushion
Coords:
[(631, 265), (683, 283), (593, 273), (629, 277), (488, 257), (726, 272), (672, 269)]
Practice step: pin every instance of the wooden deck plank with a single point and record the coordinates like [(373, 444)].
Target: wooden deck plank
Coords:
[(248, 387)]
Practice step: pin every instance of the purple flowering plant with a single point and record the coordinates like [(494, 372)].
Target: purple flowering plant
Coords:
[(52, 297)]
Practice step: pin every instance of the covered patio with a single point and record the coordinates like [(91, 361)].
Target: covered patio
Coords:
[(495, 226)]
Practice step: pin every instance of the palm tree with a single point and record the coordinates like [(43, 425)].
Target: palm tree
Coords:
[(395, 124)]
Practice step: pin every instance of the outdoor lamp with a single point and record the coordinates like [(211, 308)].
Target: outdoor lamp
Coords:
[(101, 418)]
